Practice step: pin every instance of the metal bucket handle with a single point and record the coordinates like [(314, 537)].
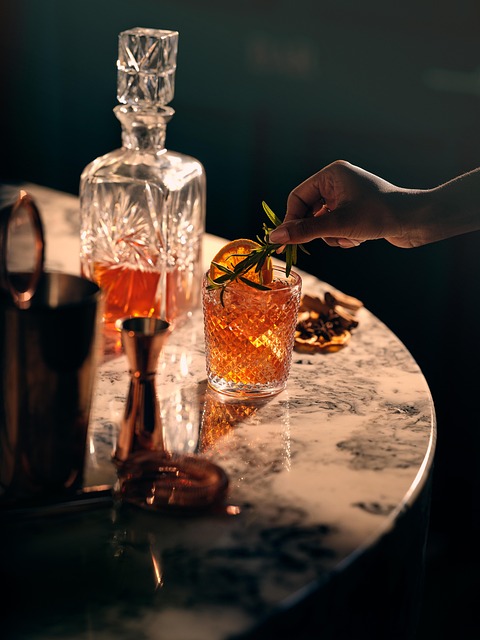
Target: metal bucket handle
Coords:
[(7, 215)]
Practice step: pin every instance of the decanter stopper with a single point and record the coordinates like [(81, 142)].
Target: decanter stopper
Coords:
[(141, 429), (147, 60)]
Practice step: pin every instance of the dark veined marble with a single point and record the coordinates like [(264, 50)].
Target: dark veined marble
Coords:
[(319, 472)]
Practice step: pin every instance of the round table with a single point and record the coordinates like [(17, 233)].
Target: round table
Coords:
[(329, 487)]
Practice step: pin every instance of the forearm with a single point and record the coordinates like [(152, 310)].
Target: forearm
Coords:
[(454, 207), (351, 205)]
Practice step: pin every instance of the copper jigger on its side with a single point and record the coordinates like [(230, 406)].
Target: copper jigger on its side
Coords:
[(49, 348)]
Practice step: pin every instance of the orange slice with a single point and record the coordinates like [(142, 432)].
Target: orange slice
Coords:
[(233, 252)]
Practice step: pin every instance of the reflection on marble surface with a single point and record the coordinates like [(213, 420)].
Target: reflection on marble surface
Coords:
[(319, 472)]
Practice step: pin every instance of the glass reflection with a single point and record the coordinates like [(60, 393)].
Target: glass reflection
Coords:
[(181, 420), (221, 414), (260, 419)]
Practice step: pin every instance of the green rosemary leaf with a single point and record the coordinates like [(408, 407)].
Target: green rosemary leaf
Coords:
[(271, 216), (255, 285), (225, 279), (288, 260), (256, 259), (261, 262), (302, 248), (214, 284), (245, 265), (222, 267)]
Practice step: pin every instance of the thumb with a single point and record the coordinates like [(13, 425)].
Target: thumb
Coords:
[(306, 229)]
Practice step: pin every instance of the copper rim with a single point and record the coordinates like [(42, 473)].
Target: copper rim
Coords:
[(22, 298)]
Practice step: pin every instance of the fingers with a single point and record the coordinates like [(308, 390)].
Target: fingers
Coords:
[(322, 191), (344, 243), (323, 209), (339, 228), (300, 233), (280, 235), (306, 229), (305, 200), (296, 207), (294, 231)]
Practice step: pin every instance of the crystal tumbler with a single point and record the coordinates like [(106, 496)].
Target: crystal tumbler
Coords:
[(249, 335)]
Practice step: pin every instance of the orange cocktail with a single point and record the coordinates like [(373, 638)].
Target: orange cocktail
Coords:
[(249, 334)]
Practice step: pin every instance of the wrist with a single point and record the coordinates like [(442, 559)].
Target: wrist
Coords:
[(413, 215), (455, 205)]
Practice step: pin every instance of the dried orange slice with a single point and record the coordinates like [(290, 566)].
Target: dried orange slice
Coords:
[(234, 252)]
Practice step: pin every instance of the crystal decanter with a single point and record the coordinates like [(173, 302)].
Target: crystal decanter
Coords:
[(143, 206)]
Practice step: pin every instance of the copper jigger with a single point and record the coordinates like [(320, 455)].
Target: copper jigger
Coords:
[(149, 476), (142, 340)]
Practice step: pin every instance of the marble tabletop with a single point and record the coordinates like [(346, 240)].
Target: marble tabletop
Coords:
[(319, 475)]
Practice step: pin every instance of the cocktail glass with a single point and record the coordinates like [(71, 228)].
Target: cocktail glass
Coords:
[(249, 335)]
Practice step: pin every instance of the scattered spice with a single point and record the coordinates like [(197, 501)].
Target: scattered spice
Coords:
[(326, 325)]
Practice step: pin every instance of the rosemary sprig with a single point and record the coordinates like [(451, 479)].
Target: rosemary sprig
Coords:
[(256, 259)]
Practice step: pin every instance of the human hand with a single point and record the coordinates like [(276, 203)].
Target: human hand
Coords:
[(346, 205)]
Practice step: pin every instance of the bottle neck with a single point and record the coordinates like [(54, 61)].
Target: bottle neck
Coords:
[(144, 129)]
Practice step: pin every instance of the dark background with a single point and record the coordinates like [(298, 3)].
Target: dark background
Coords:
[(266, 94)]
